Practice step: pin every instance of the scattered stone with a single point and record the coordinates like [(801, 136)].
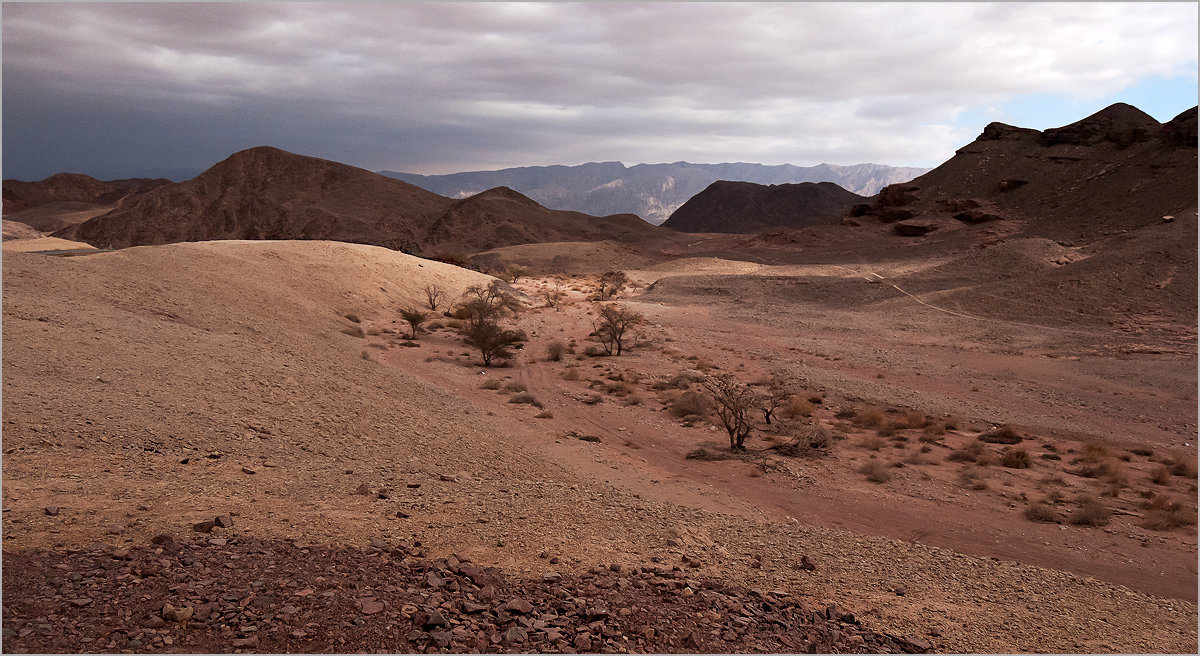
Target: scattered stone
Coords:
[(52, 511), (218, 542), (224, 521), (243, 643), (515, 634), (434, 619), (363, 489), (370, 606), (583, 642), (807, 565), (81, 602), (448, 478), (120, 553), (155, 622), (203, 527), (165, 541), (519, 606), (181, 615), (247, 470)]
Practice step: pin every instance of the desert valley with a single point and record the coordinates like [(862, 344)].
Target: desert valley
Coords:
[(294, 405)]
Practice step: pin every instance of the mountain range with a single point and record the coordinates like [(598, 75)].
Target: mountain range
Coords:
[(651, 191)]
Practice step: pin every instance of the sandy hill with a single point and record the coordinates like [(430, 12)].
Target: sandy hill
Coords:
[(1116, 170), (744, 207), (267, 193)]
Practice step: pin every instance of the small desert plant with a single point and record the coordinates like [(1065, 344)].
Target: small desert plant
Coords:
[(414, 319), (872, 443), (1016, 459), (545, 414), (1183, 466), (953, 422), (555, 350), (797, 407), (514, 386), (970, 452), (1090, 512), (1042, 512), (875, 471), (1094, 451), (491, 384), (571, 373), (634, 399), (1162, 514), (1145, 452), (354, 331), (592, 399), (1161, 475), (1003, 435), (434, 297), (973, 478), (593, 351), (527, 398), (690, 403), (814, 440), (934, 431), (869, 417), (702, 453), (915, 419)]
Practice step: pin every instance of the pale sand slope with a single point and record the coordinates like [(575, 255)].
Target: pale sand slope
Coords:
[(118, 366)]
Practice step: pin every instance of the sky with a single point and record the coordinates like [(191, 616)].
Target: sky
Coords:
[(125, 90)]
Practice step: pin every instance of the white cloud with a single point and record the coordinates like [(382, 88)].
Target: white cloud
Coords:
[(502, 85)]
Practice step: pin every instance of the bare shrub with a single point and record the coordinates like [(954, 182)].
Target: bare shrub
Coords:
[(1016, 459), (970, 452), (1094, 451), (1145, 452), (1161, 475), (1042, 512), (953, 422), (915, 419), (571, 373), (813, 441), (527, 398), (555, 350), (934, 431), (796, 407), (434, 297), (354, 331), (872, 442), (702, 453), (1090, 512), (514, 386), (611, 325), (973, 478), (875, 471), (1183, 466), (869, 417), (1003, 435), (491, 384), (593, 351), (1163, 514), (690, 403), (545, 414), (734, 401), (592, 399), (610, 284)]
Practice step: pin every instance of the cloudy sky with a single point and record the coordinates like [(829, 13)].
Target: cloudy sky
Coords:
[(117, 90)]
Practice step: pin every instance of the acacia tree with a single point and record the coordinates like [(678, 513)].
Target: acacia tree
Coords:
[(414, 318), (611, 283), (554, 297), (735, 401), (434, 296), (611, 327), (774, 396), (492, 341)]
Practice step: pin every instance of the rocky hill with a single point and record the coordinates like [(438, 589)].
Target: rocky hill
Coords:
[(745, 207), (267, 193), (1114, 171), (651, 191), (66, 198)]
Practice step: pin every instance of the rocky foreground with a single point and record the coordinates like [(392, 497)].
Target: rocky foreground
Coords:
[(218, 594)]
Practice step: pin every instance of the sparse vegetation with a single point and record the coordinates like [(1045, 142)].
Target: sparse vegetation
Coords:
[(1090, 512), (1016, 459), (875, 471), (872, 442), (869, 417), (1042, 512), (1002, 435), (1161, 475), (970, 452), (611, 326), (434, 297), (492, 341), (611, 284), (812, 441), (514, 386), (354, 331), (690, 403), (734, 401), (491, 384), (414, 319), (555, 350), (1163, 514), (526, 398)]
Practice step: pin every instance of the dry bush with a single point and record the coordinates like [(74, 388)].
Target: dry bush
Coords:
[(526, 398), (514, 386), (1183, 466), (593, 351), (619, 389), (1094, 451), (1091, 512), (544, 414), (797, 407), (970, 452), (354, 331), (634, 399), (1042, 512), (872, 442), (1162, 514), (915, 419), (491, 384), (953, 422), (933, 431), (702, 453), (875, 471), (1145, 452), (813, 441), (1052, 479), (1003, 435), (592, 399), (869, 417), (1161, 475), (973, 478), (690, 403), (917, 459), (571, 373), (373, 332), (353, 318), (682, 380), (555, 350), (1017, 459)]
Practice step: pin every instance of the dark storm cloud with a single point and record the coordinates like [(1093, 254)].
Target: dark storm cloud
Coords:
[(113, 89)]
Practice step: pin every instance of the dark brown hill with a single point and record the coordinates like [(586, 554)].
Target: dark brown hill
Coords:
[(503, 217), (1114, 171), (745, 207), (66, 198), (267, 193)]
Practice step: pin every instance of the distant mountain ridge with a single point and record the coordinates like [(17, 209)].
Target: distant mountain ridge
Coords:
[(746, 207), (651, 191)]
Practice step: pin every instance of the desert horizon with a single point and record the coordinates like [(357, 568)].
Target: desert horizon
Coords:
[(942, 402)]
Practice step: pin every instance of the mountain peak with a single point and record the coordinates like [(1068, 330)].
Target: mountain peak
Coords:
[(1118, 123)]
